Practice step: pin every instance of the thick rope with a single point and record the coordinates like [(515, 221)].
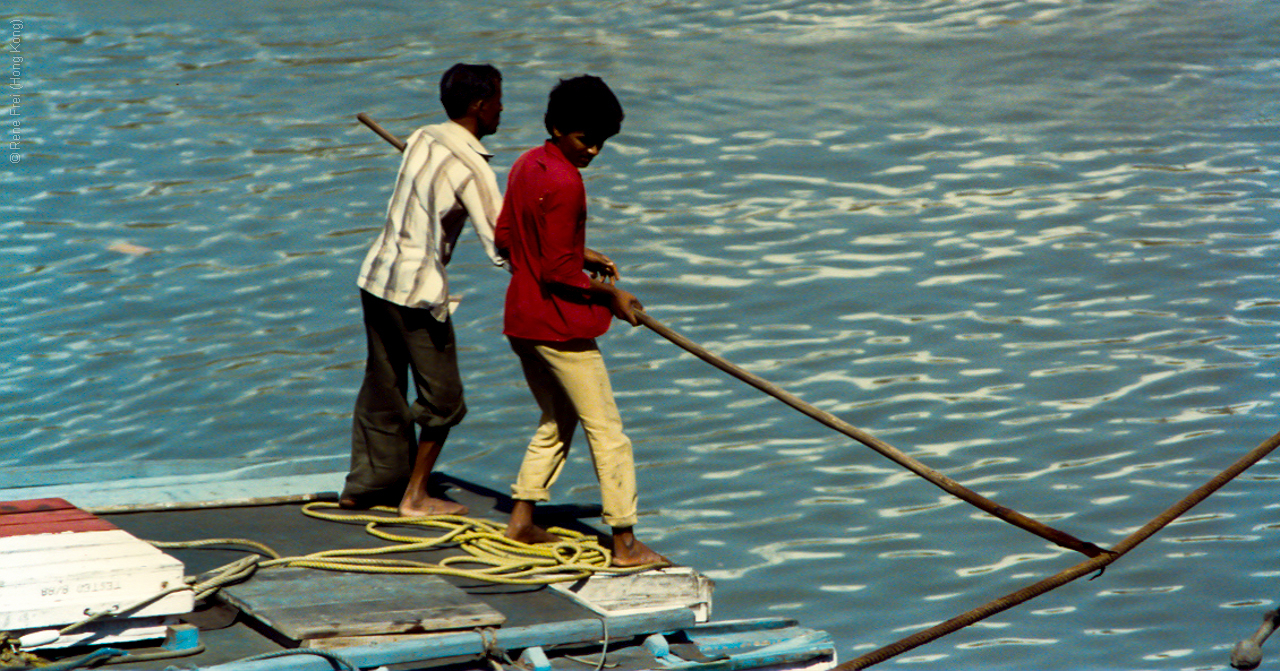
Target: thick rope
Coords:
[(500, 559), (1084, 568), (489, 555)]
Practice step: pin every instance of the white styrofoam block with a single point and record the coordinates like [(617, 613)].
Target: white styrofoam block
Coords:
[(59, 578)]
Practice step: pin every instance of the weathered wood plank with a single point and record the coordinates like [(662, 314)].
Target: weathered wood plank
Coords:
[(303, 604), (64, 526), (53, 520), (33, 505), (46, 516), (336, 642)]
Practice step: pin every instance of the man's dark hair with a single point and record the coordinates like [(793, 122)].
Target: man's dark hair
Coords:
[(464, 84), (585, 104)]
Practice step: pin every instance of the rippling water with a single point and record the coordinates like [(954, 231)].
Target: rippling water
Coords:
[(1030, 243)]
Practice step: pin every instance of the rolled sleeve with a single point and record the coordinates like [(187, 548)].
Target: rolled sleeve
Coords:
[(482, 208)]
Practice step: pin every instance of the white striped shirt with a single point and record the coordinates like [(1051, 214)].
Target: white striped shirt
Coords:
[(444, 179)]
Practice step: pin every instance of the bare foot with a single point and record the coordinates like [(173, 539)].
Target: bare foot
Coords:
[(530, 533), (629, 551), (520, 526), (427, 506), (366, 501), (352, 503)]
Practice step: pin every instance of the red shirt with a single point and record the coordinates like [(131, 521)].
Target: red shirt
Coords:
[(543, 230)]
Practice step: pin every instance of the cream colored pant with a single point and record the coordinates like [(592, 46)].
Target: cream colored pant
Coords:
[(571, 385)]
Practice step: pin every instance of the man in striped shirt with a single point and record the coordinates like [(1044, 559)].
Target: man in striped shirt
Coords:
[(444, 179)]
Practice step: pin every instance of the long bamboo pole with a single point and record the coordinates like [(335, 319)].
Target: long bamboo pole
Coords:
[(893, 454), (948, 485), (382, 132), (1067, 575)]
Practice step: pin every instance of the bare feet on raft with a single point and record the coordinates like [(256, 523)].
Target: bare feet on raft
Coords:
[(427, 506), (629, 551), (367, 500), (521, 527), (352, 503), (530, 533)]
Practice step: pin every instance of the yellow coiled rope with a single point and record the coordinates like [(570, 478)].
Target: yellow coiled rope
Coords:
[(488, 555)]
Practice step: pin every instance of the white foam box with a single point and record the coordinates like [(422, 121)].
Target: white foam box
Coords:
[(59, 563)]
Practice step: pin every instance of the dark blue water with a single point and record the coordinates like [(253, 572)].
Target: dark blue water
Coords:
[(1033, 244)]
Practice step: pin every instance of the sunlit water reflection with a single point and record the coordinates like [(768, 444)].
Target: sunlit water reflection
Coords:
[(1029, 243)]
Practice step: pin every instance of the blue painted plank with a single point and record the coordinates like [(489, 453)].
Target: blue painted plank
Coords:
[(470, 643)]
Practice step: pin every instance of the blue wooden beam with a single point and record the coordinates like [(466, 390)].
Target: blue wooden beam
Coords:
[(468, 643)]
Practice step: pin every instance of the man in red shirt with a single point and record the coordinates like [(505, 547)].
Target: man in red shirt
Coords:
[(561, 297)]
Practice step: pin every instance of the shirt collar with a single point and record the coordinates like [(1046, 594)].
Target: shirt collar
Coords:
[(553, 150), (456, 131)]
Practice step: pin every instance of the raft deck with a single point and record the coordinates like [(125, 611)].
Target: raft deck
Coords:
[(283, 609)]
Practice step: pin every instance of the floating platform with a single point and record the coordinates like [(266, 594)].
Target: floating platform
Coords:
[(303, 619)]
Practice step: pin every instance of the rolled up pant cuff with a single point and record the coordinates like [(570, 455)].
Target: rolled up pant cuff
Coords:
[(620, 522), (535, 495)]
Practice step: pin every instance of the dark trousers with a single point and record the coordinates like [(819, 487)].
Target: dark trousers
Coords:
[(404, 343)]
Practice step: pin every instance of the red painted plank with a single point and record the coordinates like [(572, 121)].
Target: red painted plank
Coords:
[(50, 517), (46, 516), (68, 526), (33, 505)]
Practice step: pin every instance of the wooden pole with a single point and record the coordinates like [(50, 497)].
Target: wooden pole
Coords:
[(382, 132), (946, 484), (1067, 575), (893, 454)]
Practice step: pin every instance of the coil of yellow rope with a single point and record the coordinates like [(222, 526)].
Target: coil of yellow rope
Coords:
[(488, 555)]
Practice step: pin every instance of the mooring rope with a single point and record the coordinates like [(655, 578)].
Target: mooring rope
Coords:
[(1084, 568), (500, 559), (489, 556)]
